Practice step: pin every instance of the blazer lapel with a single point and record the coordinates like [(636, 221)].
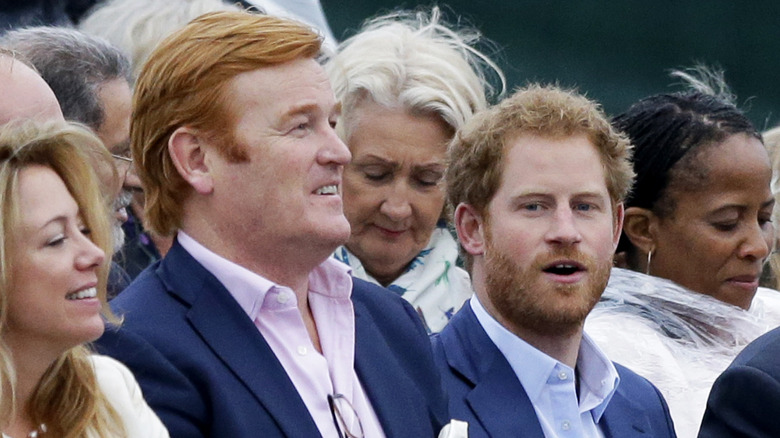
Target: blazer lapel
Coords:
[(500, 403), (235, 340), (382, 377), (497, 399), (623, 418)]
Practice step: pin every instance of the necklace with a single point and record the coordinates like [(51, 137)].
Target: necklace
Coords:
[(37, 432)]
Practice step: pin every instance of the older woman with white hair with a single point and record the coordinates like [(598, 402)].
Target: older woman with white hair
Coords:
[(406, 82)]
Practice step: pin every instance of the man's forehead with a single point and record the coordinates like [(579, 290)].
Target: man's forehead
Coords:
[(556, 159), (25, 94), (293, 87)]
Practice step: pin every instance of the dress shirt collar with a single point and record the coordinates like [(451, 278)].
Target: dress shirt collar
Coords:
[(331, 278), (598, 377)]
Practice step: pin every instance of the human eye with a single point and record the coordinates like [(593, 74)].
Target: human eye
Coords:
[(765, 220), (429, 178), (83, 228), (725, 226), (122, 151), (299, 126), (376, 173), (56, 240), (584, 207), (376, 177), (531, 206)]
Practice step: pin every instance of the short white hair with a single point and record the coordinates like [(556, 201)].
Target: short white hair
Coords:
[(138, 26), (414, 62)]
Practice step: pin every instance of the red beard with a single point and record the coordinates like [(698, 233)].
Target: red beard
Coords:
[(526, 300)]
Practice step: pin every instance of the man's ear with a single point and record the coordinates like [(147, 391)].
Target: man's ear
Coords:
[(471, 229), (620, 211), (640, 228), (186, 147)]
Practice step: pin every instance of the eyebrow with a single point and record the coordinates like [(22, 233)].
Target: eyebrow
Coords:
[(123, 147), (395, 164), (534, 193), (766, 204), (309, 108), (62, 219)]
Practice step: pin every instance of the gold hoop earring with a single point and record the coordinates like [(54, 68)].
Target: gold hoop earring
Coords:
[(649, 259)]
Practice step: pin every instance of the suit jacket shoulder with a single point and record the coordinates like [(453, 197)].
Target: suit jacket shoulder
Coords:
[(637, 405), (484, 390), (207, 371), (745, 399), (402, 358)]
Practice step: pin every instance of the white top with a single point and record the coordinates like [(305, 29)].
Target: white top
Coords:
[(124, 394), (679, 340), (550, 384), (122, 391)]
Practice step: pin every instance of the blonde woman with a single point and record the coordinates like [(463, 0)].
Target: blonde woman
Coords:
[(54, 237)]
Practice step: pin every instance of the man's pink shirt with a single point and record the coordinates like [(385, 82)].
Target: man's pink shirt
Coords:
[(274, 310)]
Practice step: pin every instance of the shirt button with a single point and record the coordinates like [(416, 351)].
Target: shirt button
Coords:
[(565, 425), (562, 375), (302, 350), (282, 298)]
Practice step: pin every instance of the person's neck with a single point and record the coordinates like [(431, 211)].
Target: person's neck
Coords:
[(562, 347), (278, 263), (562, 343), (384, 279), (296, 277), (275, 263), (30, 365)]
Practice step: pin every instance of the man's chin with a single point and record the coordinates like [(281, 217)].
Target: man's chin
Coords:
[(335, 235), (547, 319)]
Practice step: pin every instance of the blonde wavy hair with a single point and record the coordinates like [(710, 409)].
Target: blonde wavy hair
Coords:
[(67, 399)]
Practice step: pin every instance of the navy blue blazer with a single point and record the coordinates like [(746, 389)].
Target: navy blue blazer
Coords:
[(207, 371), (484, 390), (745, 399)]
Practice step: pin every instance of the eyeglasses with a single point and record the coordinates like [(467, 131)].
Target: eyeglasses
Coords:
[(122, 158), (338, 404), (123, 165)]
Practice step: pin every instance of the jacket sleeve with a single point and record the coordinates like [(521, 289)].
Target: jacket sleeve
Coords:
[(744, 402)]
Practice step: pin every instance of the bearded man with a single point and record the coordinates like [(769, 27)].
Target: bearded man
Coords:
[(537, 184)]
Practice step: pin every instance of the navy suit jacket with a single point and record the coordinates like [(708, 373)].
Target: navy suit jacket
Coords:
[(745, 399), (484, 390), (208, 372)]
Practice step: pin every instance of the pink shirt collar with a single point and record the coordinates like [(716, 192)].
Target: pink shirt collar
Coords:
[(331, 279), (274, 311)]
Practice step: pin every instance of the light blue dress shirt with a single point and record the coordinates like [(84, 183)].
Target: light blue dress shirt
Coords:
[(550, 384)]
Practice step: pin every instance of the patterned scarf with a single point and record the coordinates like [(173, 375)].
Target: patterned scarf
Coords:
[(432, 283)]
